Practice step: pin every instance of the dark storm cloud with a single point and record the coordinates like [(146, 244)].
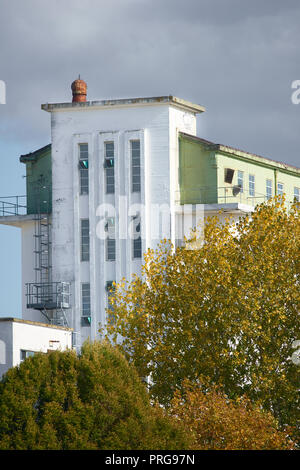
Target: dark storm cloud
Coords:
[(238, 58)]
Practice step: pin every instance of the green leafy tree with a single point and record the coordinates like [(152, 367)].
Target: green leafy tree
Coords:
[(93, 401), (228, 311)]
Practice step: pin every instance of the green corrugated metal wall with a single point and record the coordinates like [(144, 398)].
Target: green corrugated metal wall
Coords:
[(197, 173), (39, 183)]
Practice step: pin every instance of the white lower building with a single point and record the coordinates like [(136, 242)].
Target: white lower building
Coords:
[(20, 339)]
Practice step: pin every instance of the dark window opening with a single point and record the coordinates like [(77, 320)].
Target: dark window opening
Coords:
[(229, 173)]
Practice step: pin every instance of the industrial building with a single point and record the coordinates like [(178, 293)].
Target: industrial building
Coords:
[(118, 176)]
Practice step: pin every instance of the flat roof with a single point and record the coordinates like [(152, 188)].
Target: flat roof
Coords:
[(34, 323), (242, 153), (126, 102)]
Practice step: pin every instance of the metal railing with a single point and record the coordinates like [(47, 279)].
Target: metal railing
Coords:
[(13, 205), (219, 195), (48, 296)]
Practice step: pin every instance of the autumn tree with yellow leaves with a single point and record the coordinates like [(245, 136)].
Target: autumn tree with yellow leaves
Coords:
[(216, 422), (228, 311)]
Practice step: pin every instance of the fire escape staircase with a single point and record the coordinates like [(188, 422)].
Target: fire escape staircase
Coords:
[(51, 298)]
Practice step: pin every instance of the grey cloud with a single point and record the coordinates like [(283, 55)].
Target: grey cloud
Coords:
[(238, 58), (216, 12)]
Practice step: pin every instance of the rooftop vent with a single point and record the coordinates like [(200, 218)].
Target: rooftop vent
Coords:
[(79, 88)]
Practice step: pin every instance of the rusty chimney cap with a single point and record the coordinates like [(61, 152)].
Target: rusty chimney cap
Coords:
[(79, 88)]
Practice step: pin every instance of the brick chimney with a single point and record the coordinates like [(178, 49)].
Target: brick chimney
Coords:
[(79, 88)]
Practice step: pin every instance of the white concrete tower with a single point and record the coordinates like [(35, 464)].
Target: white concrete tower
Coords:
[(114, 163)]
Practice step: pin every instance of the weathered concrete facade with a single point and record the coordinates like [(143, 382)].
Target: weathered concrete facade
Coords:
[(155, 124)]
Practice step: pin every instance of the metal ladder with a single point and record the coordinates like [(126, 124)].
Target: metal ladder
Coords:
[(43, 253), (42, 248), (43, 263)]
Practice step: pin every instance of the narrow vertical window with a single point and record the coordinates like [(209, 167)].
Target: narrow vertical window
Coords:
[(85, 240), (279, 189), (135, 150), (297, 194), (252, 185), (110, 239), (84, 168), (269, 189), (241, 180), (109, 163), (137, 240), (85, 304), (110, 289)]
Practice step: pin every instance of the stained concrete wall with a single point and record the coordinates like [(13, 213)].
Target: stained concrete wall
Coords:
[(157, 127)]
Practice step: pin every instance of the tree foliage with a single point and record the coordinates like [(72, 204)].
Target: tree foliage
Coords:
[(92, 401), (228, 311), (219, 423)]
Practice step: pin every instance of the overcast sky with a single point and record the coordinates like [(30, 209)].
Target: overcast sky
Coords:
[(238, 58)]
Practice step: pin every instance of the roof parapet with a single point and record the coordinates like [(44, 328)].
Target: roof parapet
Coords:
[(126, 102)]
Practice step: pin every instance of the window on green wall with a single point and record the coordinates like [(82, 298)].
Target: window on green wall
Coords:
[(280, 189), (228, 175), (252, 185), (240, 181), (269, 189)]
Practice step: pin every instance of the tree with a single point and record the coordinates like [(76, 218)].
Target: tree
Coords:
[(228, 311), (93, 401), (220, 423)]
